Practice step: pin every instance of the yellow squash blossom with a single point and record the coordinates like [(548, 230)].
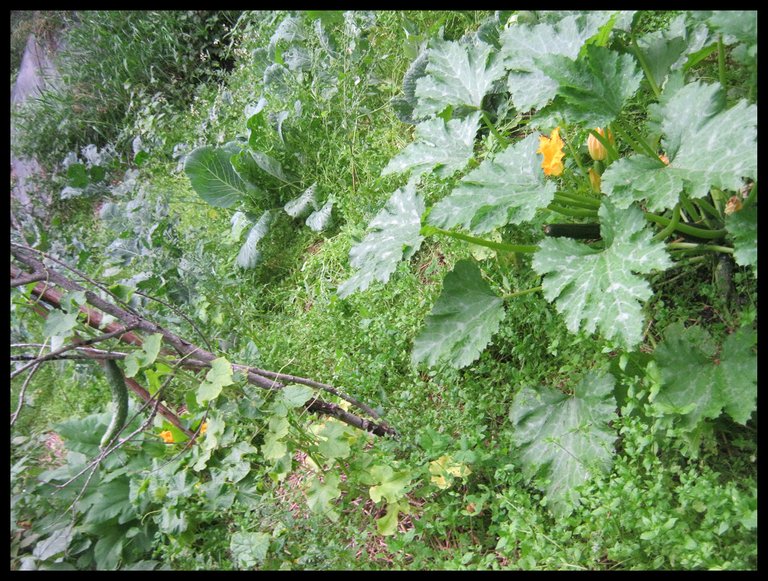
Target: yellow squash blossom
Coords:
[(167, 436), (552, 149), (596, 149), (203, 428)]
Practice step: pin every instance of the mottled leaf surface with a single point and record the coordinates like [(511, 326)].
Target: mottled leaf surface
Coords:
[(249, 254), (505, 189), (564, 440), (593, 89), (707, 146), (523, 45), (462, 322), (742, 226), (602, 289), (700, 381), (438, 146), (393, 235), (457, 74)]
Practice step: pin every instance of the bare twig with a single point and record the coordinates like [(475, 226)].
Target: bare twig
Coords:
[(23, 390), (72, 346)]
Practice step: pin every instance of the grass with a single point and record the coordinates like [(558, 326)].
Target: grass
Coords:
[(288, 309)]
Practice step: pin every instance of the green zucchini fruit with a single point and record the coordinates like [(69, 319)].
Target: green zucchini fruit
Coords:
[(119, 400)]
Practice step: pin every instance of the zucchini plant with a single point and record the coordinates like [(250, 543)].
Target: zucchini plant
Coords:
[(546, 92)]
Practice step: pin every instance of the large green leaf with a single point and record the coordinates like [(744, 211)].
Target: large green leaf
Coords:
[(438, 146), (457, 75), (218, 377), (393, 235), (700, 381), (249, 255), (321, 219), (322, 493), (666, 50), (742, 226), (506, 189), (334, 440), (212, 176), (463, 320), (523, 45), (249, 549), (600, 287), (565, 440), (592, 90), (304, 204), (391, 485), (707, 146), (145, 356)]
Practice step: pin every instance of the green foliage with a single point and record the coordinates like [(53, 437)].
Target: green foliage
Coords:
[(505, 189), (699, 380), (394, 235), (597, 471), (466, 302), (597, 286), (566, 439)]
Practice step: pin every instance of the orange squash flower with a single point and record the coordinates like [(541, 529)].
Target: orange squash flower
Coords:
[(552, 149), (167, 436)]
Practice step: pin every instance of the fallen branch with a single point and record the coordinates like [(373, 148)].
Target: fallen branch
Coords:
[(196, 356)]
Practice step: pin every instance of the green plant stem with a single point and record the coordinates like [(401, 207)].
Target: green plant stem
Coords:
[(576, 159), (690, 209), (644, 64), (578, 203), (685, 229), (708, 208), (636, 142), (613, 155), (492, 128), (721, 63), (521, 293), (669, 228), (575, 212), (691, 246), (576, 197), (500, 246)]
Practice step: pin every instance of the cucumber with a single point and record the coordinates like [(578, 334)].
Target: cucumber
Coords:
[(119, 400)]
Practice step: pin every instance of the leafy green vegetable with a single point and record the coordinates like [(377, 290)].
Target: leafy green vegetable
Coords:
[(592, 90), (706, 145), (505, 189), (699, 381), (333, 443), (249, 254), (143, 357), (438, 146), (393, 235), (296, 395), (321, 219), (212, 176), (522, 46), (598, 287), (462, 322), (392, 485), (565, 440), (304, 204), (457, 74)]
